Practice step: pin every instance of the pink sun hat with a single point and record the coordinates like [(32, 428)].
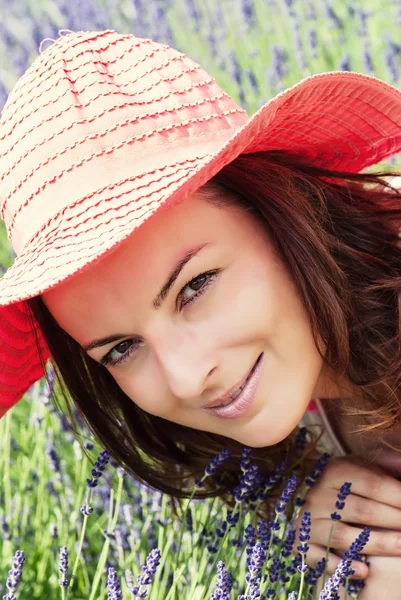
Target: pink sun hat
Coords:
[(105, 129)]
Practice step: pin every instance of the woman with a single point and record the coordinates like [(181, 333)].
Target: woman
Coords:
[(280, 272)]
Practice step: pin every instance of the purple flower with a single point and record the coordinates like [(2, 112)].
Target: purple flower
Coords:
[(224, 583), (279, 66), (357, 546), (14, 575), (214, 464), (304, 532), (86, 510), (195, 14), (220, 531), (152, 562), (248, 482), (98, 469), (264, 532), (248, 10), (286, 548), (345, 62), (314, 575), (250, 538), (336, 22), (355, 586), (332, 585), (321, 464), (258, 557), (235, 67), (217, 461), (273, 479), (232, 520), (286, 495), (300, 441), (246, 458), (275, 568), (63, 566), (113, 584), (53, 457), (342, 496)]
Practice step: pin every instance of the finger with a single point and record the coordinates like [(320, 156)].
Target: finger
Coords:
[(357, 509), (368, 481), (380, 543)]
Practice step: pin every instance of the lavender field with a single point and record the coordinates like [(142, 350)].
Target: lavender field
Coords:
[(84, 530)]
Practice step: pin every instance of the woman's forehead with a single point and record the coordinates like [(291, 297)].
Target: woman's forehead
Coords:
[(146, 255)]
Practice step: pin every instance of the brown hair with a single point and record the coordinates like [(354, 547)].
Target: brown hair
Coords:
[(337, 233)]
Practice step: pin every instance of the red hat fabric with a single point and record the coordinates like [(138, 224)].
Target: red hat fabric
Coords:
[(104, 129)]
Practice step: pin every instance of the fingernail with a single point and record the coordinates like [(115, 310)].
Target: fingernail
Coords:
[(358, 571)]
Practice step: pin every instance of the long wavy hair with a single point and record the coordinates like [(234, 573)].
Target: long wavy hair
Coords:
[(338, 235)]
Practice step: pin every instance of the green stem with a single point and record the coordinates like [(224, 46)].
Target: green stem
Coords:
[(105, 551), (302, 579), (327, 553), (81, 541)]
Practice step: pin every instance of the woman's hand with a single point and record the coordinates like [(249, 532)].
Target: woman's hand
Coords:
[(374, 501)]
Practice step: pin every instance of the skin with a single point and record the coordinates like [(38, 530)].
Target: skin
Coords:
[(190, 356)]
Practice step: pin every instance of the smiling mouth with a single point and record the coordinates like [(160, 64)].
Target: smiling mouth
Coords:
[(235, 394)]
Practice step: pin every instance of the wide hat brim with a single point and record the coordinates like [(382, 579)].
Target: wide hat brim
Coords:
[(340, 120)]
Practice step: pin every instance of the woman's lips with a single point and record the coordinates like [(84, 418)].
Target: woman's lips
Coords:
[(231, 392)]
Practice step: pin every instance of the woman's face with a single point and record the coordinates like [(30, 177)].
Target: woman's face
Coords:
[(193, 348)]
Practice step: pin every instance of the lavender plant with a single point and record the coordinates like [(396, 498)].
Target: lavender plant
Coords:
[(121, 543)]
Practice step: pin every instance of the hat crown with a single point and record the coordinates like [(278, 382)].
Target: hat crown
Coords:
[(83, 105)]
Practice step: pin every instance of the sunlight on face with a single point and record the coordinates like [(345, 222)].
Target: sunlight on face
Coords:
[(195, 347)]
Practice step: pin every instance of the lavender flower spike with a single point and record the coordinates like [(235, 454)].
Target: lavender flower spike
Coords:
[(152, 562), (113, 584), (258, 558), (332, 585), (224, 583), (214, 464), (342, 496), (286, 495), (100, 466), (321, 464), (63, 566), (357, 546), (304, 532), (14, 575)]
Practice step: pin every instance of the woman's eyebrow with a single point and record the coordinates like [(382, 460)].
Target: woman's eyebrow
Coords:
[(160, 298)]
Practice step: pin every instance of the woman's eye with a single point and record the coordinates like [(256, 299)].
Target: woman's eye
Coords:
[(131, 348), (201, 283)]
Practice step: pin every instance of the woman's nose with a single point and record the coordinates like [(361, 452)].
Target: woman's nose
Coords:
[(187, 373)]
